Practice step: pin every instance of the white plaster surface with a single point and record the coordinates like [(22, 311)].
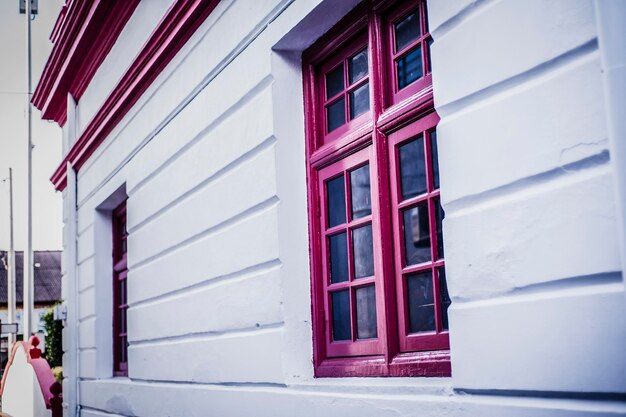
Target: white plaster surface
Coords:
[(22, 396)]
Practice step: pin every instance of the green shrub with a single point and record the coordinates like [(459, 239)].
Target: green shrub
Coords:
[(54, 347)]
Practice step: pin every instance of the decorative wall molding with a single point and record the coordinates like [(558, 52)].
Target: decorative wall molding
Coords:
[(176, 27), (83, 35)]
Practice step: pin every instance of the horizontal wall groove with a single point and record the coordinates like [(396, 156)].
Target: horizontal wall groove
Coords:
[(597, 164), (601, 282), (240, 48), (557, 395), (208, 335), (242, 216), (222, 172), (241, 275), (545, 68), (462, 16)]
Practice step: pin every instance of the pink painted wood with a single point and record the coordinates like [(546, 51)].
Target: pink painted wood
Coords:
[(329, 155)]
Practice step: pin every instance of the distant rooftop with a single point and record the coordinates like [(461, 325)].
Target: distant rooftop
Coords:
[(47, 277)]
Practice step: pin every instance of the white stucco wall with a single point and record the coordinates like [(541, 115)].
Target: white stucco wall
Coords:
[(212, 160)]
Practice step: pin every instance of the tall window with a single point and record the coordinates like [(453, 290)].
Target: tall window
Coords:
[(120, 339), (378, 272)]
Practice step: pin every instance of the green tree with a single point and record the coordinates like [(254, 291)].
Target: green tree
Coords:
[(54, 347)]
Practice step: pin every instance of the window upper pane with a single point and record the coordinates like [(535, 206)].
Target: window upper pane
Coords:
[(407, 30), (357, 66), (334, 82)]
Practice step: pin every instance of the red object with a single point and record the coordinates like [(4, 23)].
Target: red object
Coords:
[(179, 23), (42, 370), (56, 402), (395, 117), (120, 305)]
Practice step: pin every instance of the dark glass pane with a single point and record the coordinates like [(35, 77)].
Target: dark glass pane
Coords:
[(428, 45), (122, 347), (439, 216), (341, 315), (445, 297), (357, 66), (361, 195), (435, 158), (122, 323), (366, 313), (412, 168), (122, 294), (338, 258), (336, 195), (336, 114), (420, 302), (334, 82), (363, 252), (409, 68), (407, 30), (416, 234), (359, 101)]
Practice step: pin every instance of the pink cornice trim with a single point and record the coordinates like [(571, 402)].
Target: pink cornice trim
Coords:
[(40, 367), (179, 23), (83, 35)]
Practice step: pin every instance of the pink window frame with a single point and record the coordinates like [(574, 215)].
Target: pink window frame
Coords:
[(396, 95), (439, 338), (120, 304), (326, 156)]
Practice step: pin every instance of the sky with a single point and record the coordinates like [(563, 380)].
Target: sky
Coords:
[(47, 203)]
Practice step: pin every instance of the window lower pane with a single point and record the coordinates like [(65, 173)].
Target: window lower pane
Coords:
[(409, 68), (336, 201), (439, 216), (360, 192), (412, 168), (445, 297), (341, 315), (336, 114), (366, 312), (338, 257), (363, 252), (420, 302), (416, 235)]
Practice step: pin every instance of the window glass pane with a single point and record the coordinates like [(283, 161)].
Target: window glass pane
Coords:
[(336, 114), (338, 258), (361, 195), (122, 348), (412, 168), (366, 313), (439, 216), (416, 234), (420, 302), (409, 68), (428, 45), (407, 30), (122, 295), (334, 82), (336, 195), (445, 297), (357, 66), (363, 252), (359, 101), (122, 323), (341, 315), (435, 156)]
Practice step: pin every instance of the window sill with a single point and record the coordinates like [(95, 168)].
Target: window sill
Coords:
[(419, 364)]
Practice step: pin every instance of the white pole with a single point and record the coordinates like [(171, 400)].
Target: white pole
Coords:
[(28, 291), (11, 271)]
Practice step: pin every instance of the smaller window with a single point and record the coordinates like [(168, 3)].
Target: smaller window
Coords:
[(120, 305)]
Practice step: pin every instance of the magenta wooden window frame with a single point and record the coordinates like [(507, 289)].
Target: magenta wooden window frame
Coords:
[(394, 117), (120, 303)]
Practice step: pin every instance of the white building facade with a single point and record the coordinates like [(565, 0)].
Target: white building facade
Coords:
[(200, 143)]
